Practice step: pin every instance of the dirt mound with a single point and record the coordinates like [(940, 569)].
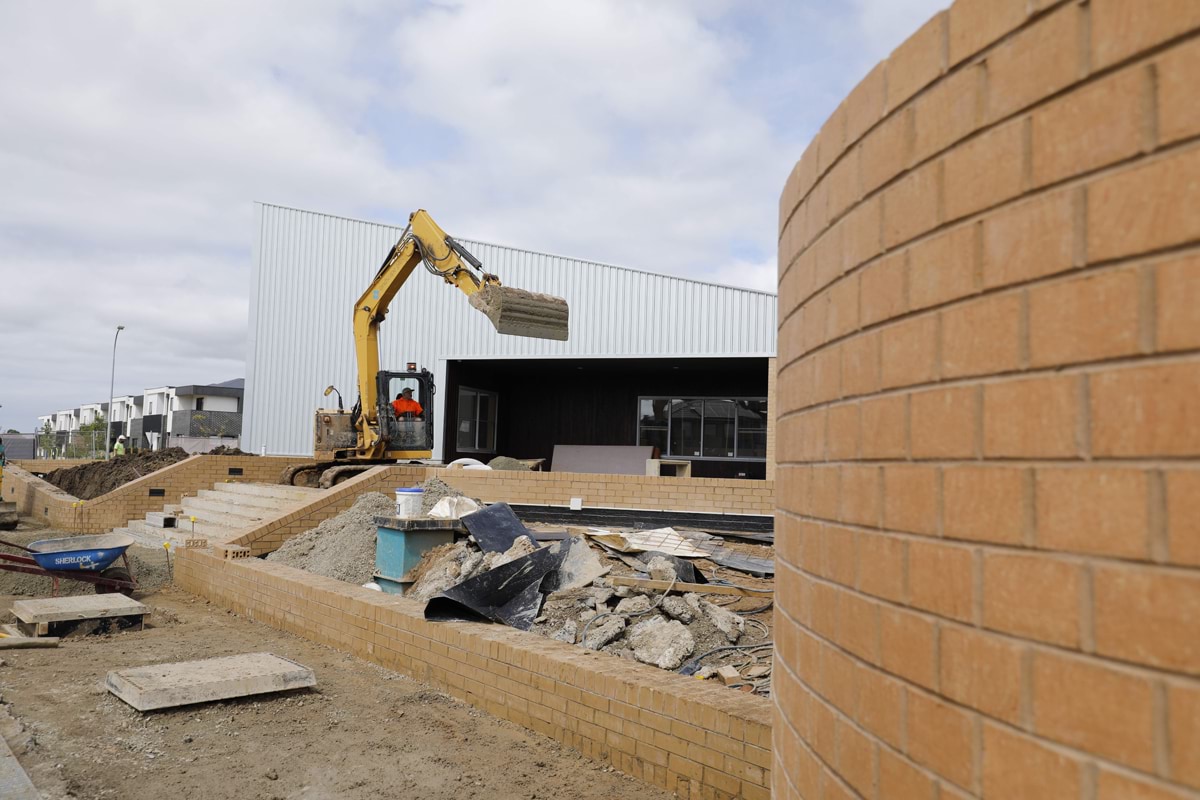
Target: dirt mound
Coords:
[(89, 481), (225, 450), (342, 547), (504, 462)]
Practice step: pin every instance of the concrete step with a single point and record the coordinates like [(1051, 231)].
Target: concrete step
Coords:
[(158, 519), (208, 517), (292, 493), (230, 512), (246, 500)]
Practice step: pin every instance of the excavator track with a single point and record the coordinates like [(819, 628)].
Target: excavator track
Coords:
[(325, 474)]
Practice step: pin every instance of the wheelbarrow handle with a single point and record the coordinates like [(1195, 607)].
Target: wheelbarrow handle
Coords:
[(14, 544)]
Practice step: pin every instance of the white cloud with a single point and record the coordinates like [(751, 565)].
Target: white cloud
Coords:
[(136, 136)]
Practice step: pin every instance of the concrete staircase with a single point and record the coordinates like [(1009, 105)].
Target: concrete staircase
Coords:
[(221, 514)]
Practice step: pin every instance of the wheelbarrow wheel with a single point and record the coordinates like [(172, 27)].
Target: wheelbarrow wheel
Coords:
[(116, 574)]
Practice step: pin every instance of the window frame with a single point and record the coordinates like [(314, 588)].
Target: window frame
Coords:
[(493, 415), (701, 399)]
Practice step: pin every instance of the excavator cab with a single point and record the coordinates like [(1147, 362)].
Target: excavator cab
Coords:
[(405, 409)]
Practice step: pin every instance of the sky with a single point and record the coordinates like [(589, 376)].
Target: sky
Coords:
[(136, 138)]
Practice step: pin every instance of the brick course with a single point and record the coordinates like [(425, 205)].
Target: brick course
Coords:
[(1014, 421)]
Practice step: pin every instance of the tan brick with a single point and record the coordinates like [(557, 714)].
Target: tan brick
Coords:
[(862, 233), (860, 364), (1183, 716), (1147, 411), (1032, 418), (944, 423), (975, 24), (941, 579), (1018, 766), (1090, 128), (911, 495), (881, 565), (907, 645), (917, 62), (943, 268), (988, 504), (1029, 240), (831, 141), (884, 289), (860, 495), (864, 104), (881, 706), (911, 206), (1122, 28), (1148, 616), (885, 427), (1032, 596), (942, 738), (1114, 786), (909, 351), (1094, 708), (948, 112), (886, 151), (844, 185), (1183, 516), (1035, 63), (1178, 113), (982, 337), (1093, 510), (1084, 318), (899, 778), (827, 375), (984, 171), (837, 556), (856, 758), (982, 671), (1144, 207), (843, 432), (825, 493), (1177, 287)]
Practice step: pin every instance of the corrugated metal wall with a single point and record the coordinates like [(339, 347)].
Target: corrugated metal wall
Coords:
[(309, 268)]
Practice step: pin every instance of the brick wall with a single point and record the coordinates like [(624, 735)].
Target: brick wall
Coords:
[(37, 498), (989, 399), (697, 739), (715, 495)]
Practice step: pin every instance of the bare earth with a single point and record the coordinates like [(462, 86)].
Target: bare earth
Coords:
[(363, 732)]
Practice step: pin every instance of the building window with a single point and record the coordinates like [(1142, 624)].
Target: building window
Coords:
[(199, 403), (476, 421), (704, 427)]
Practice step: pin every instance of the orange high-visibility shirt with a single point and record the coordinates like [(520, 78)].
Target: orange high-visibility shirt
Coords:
[(406, 406)]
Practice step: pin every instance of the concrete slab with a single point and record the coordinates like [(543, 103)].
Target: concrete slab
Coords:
[(14, 783), (84, 606), (187, 682)]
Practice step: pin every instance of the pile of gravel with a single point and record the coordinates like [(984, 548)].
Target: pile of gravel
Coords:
[(504, 462), (435, 490), (342, 547)]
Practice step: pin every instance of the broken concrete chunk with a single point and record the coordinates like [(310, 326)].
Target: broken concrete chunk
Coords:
[(603, 632), (601, 596), (728, 623), (634, 605), (729, 674), (580, 566), (660, 642), (521, 546), (567, 632), (661, 569), (440, 569), (677, 608)]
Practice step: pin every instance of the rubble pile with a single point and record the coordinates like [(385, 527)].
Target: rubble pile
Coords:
[(342, 547)]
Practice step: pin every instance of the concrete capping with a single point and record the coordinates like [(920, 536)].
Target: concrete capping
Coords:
[(674, 732)]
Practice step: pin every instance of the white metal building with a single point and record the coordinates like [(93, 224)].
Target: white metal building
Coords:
[(309, 269)]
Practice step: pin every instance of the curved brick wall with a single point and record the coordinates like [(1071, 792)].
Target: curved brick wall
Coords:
[(989, 415)]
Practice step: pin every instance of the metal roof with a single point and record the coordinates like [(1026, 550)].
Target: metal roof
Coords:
[(309, 268)]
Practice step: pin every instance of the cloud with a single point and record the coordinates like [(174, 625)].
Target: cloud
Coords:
[(654, 134)]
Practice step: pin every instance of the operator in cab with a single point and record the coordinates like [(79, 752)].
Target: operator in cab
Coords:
[(404, 405)]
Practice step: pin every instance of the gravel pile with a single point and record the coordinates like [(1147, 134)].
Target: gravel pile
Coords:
[(435, 490), (342, 547), (504, 462)]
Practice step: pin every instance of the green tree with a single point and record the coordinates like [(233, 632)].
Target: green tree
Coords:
[(46, 440)]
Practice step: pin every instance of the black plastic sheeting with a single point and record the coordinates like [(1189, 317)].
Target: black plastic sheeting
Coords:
[(511, 593), (495, 527)]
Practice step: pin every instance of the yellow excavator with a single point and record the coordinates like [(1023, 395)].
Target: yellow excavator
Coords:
[(377, 429)]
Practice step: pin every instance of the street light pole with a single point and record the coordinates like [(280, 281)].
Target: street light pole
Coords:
[(112, 379)]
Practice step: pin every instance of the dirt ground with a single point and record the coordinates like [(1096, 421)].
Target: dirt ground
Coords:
[(88, 481), (362, 733), (149, 565)]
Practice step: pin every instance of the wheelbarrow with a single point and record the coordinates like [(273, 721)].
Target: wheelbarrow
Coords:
[(88, 559)]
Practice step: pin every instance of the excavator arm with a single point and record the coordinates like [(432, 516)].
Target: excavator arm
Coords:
[(512, 311)]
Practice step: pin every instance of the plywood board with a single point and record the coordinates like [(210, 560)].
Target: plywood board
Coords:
[(601, 459), (84, 606), (186, 682)]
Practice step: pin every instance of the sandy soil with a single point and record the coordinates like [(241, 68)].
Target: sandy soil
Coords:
[(363, 732)]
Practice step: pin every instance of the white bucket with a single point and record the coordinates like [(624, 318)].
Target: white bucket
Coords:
[(408, 502)]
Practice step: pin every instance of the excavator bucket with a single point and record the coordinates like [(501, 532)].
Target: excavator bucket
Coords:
[(517, 312)]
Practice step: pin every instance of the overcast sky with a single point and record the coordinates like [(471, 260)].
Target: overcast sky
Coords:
[(136, 136)]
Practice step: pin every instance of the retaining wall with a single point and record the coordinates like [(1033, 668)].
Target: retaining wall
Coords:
[(44, 501), (693, 738), (989, 398)]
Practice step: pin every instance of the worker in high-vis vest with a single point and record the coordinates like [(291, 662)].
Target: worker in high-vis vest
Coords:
[(119, 447), (404, 404)]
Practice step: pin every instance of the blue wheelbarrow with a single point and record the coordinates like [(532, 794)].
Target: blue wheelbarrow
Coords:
[(79, 558)]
